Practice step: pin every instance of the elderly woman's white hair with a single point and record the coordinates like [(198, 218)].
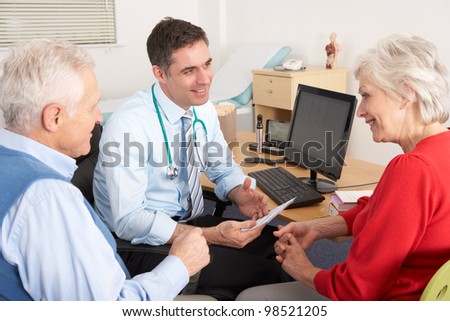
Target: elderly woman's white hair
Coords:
[(409, 67), (39, 73)]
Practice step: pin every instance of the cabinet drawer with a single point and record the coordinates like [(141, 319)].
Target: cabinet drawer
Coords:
[(272, 91)]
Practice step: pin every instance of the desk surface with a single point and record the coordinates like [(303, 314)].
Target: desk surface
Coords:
[(355, 172)]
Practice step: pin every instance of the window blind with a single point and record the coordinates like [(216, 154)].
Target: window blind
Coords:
[(81, 22)]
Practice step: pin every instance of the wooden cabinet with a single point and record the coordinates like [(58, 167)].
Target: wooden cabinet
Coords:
[(274, 91)]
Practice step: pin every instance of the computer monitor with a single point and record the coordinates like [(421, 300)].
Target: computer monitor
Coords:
[(319, 132)]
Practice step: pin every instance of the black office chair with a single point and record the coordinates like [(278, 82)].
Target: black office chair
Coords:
[(83, 179), (83, 176)]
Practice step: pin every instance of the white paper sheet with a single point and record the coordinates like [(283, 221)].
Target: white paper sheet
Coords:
[(272, 214)]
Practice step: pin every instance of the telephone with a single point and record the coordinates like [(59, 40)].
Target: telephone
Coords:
[(293, 64)]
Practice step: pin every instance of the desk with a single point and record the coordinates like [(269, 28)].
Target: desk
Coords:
[(354, 173)]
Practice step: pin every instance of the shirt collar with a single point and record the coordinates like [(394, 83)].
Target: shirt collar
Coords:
[(172, 111), (63, 164)]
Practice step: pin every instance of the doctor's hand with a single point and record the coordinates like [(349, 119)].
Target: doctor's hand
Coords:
[(251, 203), (191, 248), (229, 233)]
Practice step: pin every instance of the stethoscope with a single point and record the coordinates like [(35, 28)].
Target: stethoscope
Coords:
[(172, 171)]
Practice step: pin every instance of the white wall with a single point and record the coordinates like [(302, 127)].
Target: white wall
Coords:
[(303, 25), (125, 68), (306, 25)]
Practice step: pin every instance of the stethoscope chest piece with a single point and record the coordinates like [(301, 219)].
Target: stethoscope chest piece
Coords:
[(172, 172)]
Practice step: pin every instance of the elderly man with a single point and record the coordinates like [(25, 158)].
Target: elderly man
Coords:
[(53, 246)]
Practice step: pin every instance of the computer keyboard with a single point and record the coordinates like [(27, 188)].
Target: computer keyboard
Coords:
[(281, 186)]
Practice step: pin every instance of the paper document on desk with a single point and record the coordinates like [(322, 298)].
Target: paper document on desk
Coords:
[(272, 214)]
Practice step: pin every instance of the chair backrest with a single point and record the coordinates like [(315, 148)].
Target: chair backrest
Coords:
[(438, 289), (84, 175)]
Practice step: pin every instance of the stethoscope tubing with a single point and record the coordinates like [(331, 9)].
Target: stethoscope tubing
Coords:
[(172, 171)]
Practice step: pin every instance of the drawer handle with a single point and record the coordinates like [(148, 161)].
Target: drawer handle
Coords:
[(269, 91)]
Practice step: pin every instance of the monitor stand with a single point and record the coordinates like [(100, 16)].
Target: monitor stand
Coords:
[(319, 184)]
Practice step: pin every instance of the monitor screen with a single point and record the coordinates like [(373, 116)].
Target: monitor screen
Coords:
[(319, 132)]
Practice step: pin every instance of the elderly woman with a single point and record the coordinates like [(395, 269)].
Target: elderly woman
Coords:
[(401, 233)]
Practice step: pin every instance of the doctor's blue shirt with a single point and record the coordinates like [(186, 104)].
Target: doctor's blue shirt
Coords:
[(133, 193)]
